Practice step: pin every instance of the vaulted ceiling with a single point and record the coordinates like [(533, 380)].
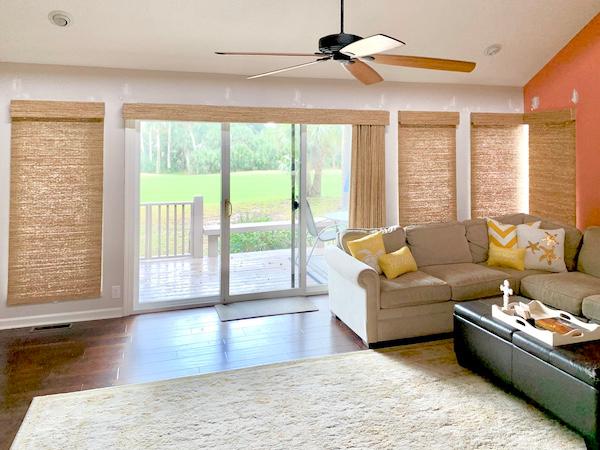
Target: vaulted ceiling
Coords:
[(182, 35)]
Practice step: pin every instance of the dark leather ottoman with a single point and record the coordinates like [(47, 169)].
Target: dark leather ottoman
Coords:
[(565, 380)]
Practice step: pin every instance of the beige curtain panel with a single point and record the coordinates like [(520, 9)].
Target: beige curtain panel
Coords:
[(498, 160), (367, 178), (427, 166), (55, 230), (552, 165)]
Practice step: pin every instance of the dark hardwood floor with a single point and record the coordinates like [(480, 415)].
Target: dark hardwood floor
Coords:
[(153, 347)]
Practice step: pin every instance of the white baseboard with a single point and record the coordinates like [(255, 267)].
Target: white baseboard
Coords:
[(67, 317)]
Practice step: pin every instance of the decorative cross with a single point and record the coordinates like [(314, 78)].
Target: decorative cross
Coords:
[(505, 288)]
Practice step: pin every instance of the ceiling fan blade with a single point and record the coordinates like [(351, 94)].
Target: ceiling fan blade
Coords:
[(267, 54), (371, 45), (420, 62), (362, 72), (285, 69)]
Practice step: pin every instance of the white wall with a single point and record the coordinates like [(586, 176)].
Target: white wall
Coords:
[(114, 87)]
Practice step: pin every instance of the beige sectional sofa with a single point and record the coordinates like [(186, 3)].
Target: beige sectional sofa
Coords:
[(451, 258)]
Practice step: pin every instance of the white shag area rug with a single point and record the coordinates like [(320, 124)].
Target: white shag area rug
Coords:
[(411, 397)]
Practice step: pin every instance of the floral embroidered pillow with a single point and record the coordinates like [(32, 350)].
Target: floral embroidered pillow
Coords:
[(544, 249)]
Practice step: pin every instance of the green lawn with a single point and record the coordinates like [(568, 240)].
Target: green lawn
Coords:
[(246, 187)]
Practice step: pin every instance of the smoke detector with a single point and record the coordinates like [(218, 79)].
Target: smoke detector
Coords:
[(493, 49), (60, 19)]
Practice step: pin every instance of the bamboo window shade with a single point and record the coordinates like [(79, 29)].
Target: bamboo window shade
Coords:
[(427, 166), (552, 165), (498, 164), (253, 114), (367, 177), (56, 181)]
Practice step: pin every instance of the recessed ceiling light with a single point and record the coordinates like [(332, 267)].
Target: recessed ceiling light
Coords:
[(60, 18), (493, 49)]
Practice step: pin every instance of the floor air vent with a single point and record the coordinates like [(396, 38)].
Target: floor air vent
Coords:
[(51, 327)]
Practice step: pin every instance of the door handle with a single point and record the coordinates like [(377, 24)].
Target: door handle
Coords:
[(228, 208)]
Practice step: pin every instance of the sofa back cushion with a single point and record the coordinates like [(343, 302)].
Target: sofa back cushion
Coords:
[(512, 219), (589, 257), (477, 236), (573, 238), (393, 237), (440, 243)]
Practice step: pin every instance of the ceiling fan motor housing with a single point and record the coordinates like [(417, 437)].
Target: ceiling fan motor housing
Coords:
[(332, 43)]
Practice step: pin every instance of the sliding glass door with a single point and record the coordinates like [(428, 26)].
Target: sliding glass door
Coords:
[(237, 211), (263, 216), (180, 179)]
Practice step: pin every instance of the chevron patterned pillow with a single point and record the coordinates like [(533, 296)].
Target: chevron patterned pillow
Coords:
[(504, 235)]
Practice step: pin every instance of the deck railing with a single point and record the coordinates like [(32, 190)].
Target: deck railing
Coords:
[(165, 229), (176, 229)]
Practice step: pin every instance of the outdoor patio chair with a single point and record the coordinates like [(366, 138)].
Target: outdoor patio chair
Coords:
[(325, 234)]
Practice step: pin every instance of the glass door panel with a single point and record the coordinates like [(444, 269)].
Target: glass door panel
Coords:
[(262, 242), (328, 151), (180, 212)]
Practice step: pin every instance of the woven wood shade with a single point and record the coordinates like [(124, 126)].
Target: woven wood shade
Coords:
[(241, 114), (498, 152), (427, 167), (367, 178), (55, 231), (552, 170)]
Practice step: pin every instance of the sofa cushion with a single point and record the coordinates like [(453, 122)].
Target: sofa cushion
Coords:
[(564, 290), (513, 219), (393, 237), (573, 238), (591, 307), (440, 243), (468, 281), (411, 289), (589, 257), (477, 236), (515, 276)]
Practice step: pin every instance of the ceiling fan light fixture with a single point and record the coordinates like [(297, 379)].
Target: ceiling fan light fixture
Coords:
[(371, 45)]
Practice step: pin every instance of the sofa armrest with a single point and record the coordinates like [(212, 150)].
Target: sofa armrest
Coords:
[(353, 293)]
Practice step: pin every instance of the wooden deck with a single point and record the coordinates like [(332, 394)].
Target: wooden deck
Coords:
[(186, 278)]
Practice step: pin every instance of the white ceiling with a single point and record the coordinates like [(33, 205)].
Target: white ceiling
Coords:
[(181, 35)]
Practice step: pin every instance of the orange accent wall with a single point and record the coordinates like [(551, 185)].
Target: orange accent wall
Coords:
[(577, 66)]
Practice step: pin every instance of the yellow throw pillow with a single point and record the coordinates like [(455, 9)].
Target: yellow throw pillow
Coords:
[(368, 249), (513, 258), (502, 234), (397, 263)]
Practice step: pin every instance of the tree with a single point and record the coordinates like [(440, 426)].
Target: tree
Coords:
[(323, 144)]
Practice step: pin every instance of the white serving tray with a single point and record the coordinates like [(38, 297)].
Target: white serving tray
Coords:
[(537, 310)]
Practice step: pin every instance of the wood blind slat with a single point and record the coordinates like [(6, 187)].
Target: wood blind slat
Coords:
[(55, 226), (549, 117), (496, 119), (238, 114), (427, 170), (442, 118), (42, 109)]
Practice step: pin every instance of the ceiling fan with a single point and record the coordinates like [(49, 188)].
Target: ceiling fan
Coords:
[(352, 51)]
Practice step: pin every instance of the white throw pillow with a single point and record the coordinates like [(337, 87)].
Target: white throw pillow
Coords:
[(545, 249)]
